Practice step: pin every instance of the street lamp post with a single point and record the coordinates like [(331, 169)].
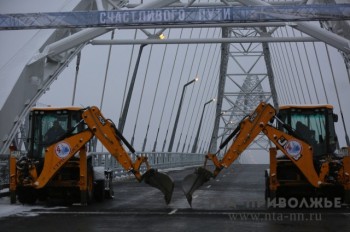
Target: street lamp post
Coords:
[(178, 114), (124, 115), (195, 143)]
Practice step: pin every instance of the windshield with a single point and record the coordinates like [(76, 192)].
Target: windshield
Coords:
[(49, 127), (310, 125), (312, 129)]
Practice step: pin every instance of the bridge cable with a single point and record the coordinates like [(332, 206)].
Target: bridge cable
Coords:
[(338, 99), (198, 90), (211, 125), (282, 94), (319, 69), (106, 72), (142, 91), (284, 74), (128, 75), (303, 69), (290, 73), (166, 97), (188, 79), (193, 135), (278, 64), (202, 100), (177, 89), (312, 76), (154, 97), (215, 64), (76, 77), (296, 67)]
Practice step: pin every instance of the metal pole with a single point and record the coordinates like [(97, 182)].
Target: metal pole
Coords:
[(131, 88), (178, 115), (195, 143)]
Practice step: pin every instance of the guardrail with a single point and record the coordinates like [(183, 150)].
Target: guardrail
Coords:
[(4, 174), (157, 160)]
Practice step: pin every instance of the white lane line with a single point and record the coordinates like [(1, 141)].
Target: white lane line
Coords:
[(173, 211), (195, 196), (208, 186), (217, 180)]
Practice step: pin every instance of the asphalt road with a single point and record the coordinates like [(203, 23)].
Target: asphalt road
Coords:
[(234, 201)]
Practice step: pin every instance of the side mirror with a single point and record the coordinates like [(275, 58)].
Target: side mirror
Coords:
[(335, 117)]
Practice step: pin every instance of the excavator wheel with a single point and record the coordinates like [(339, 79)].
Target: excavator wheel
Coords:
[(87, 196), (27, 195), (90, 185), (347, 197)]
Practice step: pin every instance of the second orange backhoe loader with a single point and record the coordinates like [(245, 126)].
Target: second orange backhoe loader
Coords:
[(58, 165), (308, 165)]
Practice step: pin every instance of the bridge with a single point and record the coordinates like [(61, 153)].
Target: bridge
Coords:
[(175, 89)]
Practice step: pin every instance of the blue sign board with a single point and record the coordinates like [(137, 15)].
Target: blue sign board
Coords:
[(175, 16)]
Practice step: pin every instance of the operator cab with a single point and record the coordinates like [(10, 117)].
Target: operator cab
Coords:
[(50, 125), (312, 124)]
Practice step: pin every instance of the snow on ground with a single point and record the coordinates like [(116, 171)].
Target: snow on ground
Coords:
[(7, 209)]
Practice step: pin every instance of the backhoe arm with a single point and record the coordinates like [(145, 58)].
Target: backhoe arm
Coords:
[(299, 152), (111, 138), (248, 129), (106, 133)]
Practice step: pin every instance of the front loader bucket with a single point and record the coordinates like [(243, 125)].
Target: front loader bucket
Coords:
[(193, 181), (160, 181)]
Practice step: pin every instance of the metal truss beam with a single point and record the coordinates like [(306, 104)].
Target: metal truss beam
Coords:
[(206, 41), (243, 85), (169, 16)]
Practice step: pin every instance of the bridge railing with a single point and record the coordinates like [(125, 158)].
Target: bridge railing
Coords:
[(157, 160), (4, 173)]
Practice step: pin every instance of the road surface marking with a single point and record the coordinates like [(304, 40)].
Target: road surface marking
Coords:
[(173, 211), (208, 186), (195, 196)]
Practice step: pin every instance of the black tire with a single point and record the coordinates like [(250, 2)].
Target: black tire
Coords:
[(27, 195), (90, 185), (86, 197), (347, 197)]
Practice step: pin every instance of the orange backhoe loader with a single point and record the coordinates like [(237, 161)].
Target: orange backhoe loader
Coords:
[(304, 162), (58, 165)]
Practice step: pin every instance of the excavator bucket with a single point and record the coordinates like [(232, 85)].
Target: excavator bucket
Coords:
[(193, 181), (160, 181)]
